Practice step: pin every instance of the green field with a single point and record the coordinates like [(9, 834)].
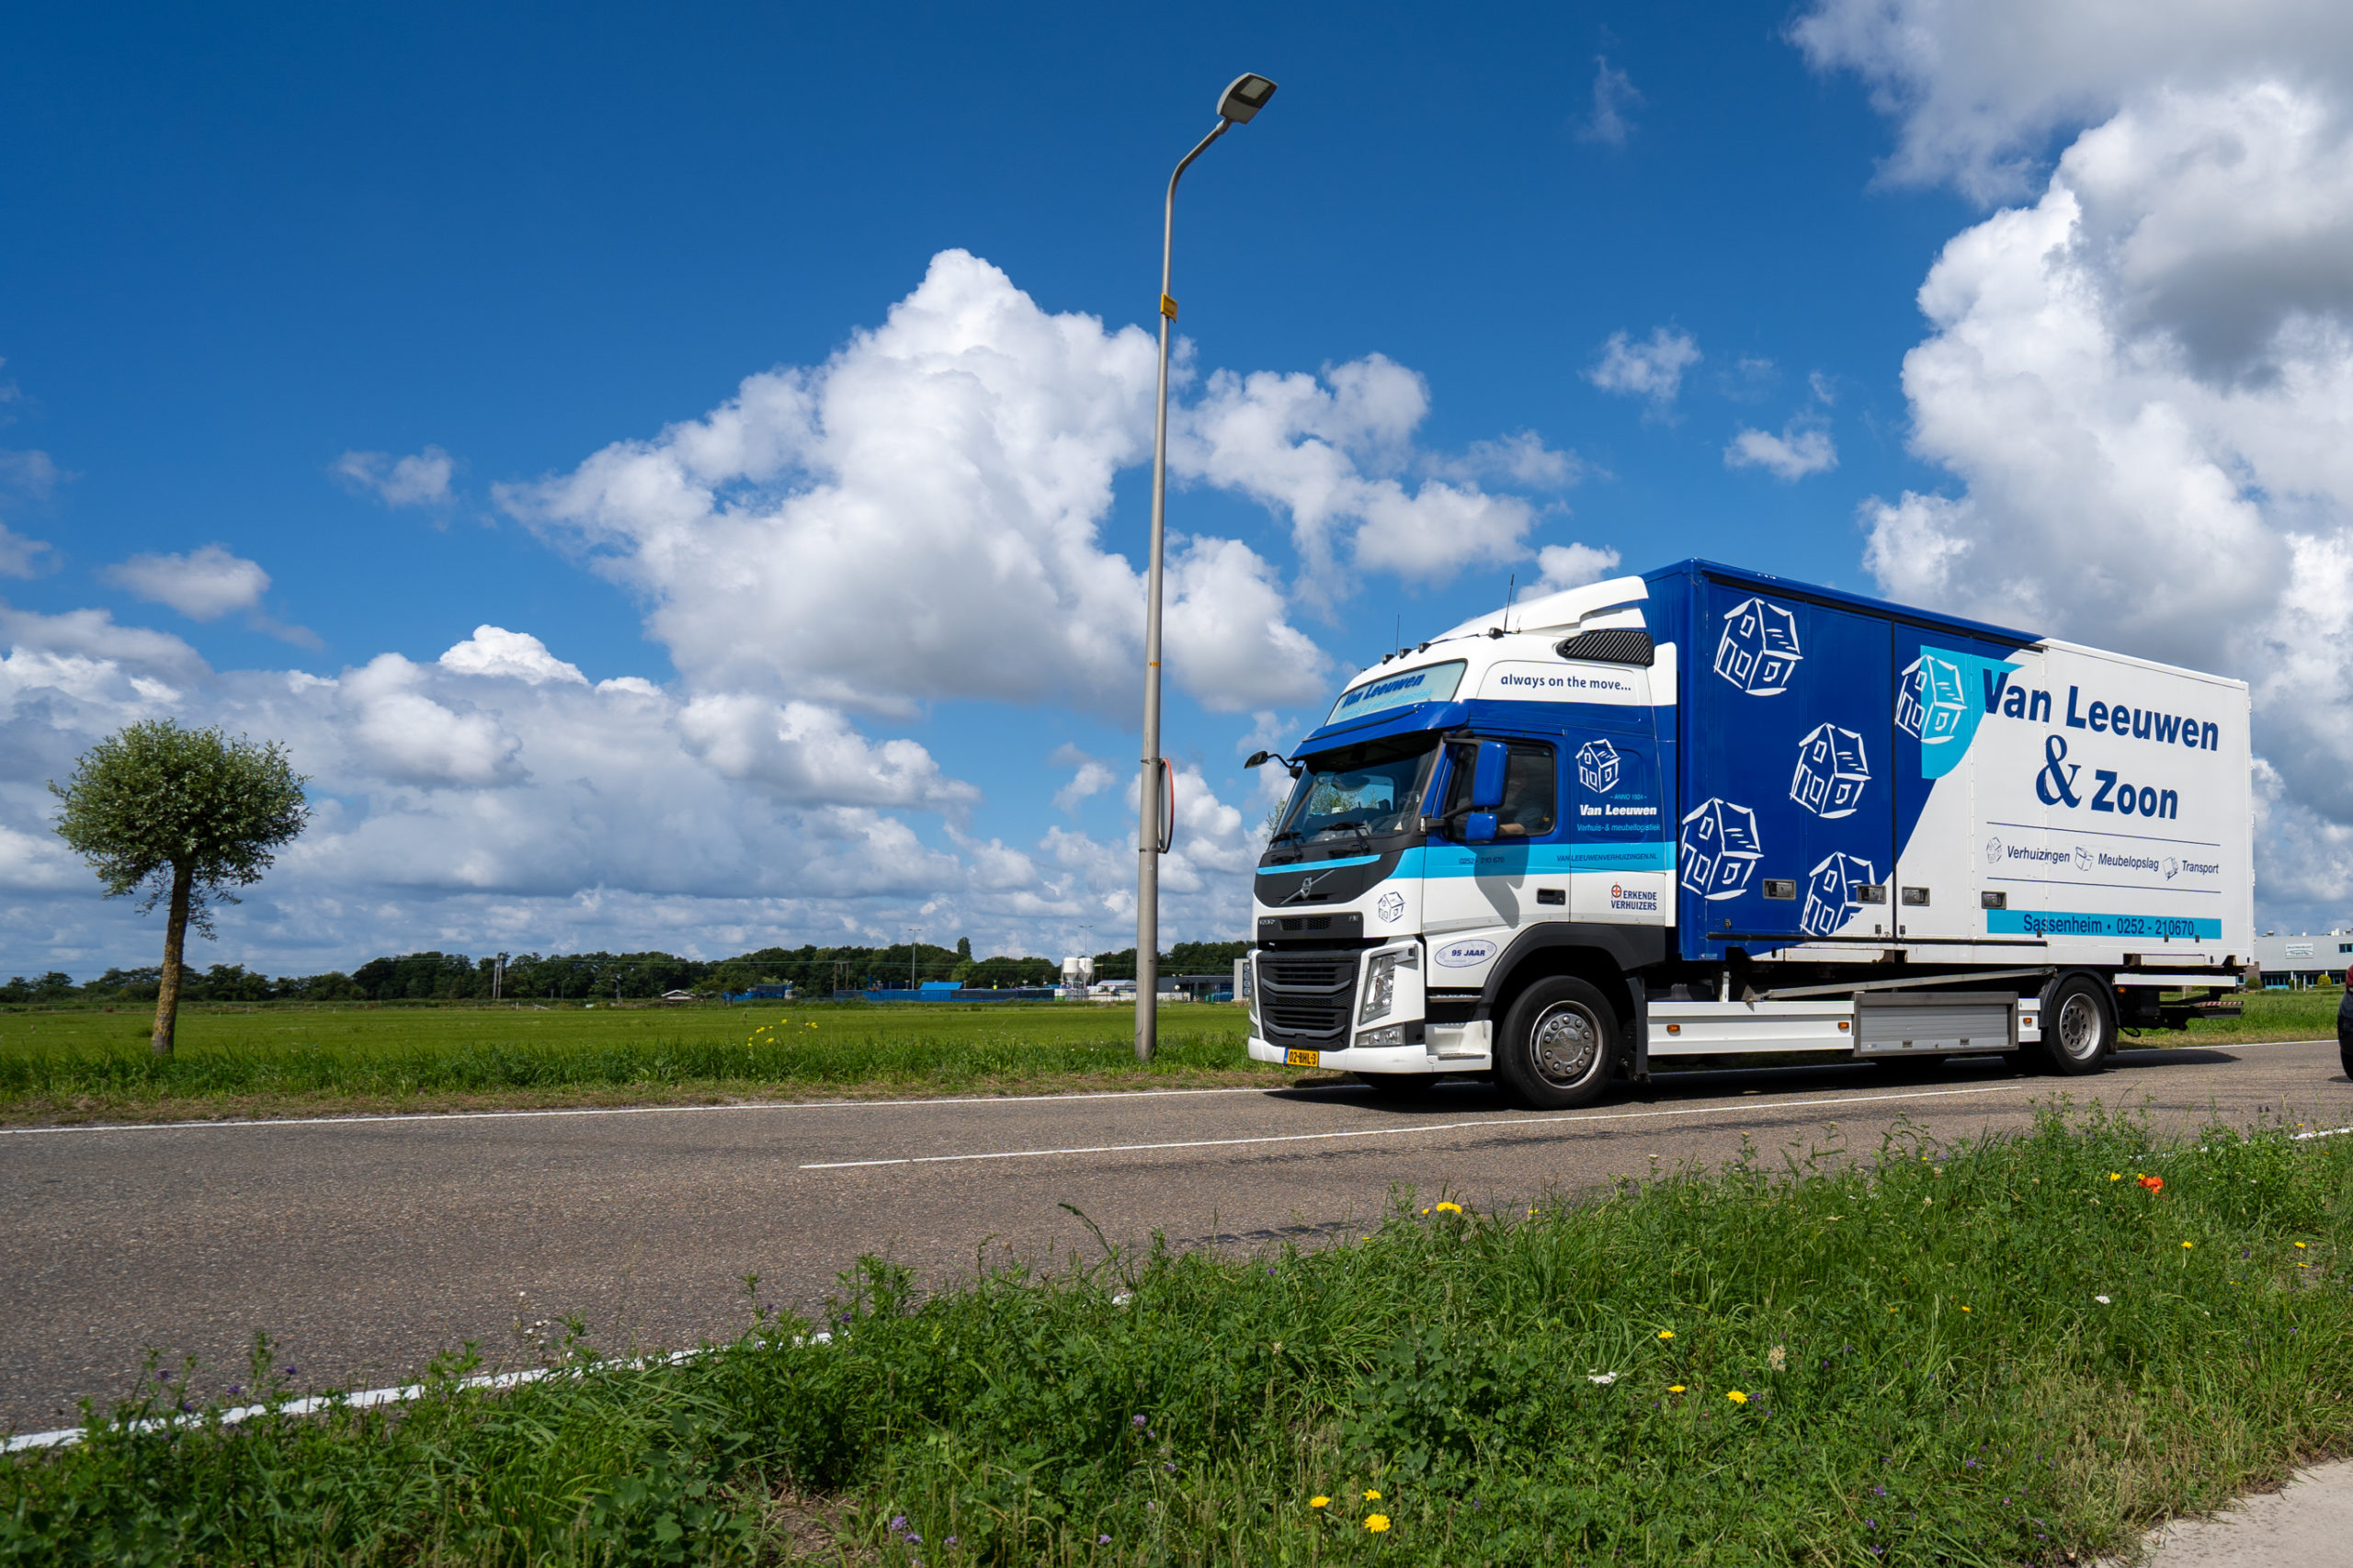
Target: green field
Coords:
[(81, 1063), (2018, 1353), (86, 1063)]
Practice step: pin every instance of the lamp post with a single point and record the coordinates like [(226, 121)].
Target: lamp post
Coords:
[(1236, 106)]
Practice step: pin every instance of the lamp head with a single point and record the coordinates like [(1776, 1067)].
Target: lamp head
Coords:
[(1245, 98)]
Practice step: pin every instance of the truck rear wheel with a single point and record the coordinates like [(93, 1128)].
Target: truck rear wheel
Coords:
[(1558, 1046), (2078, 1026)]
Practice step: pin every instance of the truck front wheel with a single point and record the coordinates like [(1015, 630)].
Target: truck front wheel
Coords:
[(1559, 1043), (2078, 1028)]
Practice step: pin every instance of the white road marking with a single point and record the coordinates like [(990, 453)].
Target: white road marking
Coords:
[(669, 1109), (1401, 1131), (358, 1399)]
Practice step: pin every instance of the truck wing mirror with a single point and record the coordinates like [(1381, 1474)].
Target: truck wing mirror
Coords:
[(1487, 776), (1479, 827)]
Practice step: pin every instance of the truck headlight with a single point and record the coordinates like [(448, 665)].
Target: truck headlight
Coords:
[(1380, 983)]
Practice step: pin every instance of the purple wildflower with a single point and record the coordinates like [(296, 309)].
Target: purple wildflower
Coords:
[(1136, 1420), (898, 1521), (1105, 1540)]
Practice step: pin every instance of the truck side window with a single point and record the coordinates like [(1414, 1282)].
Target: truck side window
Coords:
[(1531, 790), (1531, 793)]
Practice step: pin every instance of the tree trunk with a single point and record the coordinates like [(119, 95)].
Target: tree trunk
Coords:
[(167, 991)]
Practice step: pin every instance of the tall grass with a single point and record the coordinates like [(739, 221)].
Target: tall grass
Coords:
[(1987, 1355), (406, 1053)]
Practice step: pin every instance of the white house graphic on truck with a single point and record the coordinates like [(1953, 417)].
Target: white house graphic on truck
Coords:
[(1932, 701), (1830, 898), (1720, 850), (1830, 773), (1597, 767), (1758, 650)]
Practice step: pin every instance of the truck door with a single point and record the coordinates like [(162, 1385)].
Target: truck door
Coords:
[(1621, 842), (1479, 895), (1787, 836)]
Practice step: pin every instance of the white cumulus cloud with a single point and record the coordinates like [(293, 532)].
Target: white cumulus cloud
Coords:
[(19, 556), (1651, 369), (1613, 93), (203, 585), (421, 479), (1796, 452), (518, 655), (1573, 566), (2144, 379)]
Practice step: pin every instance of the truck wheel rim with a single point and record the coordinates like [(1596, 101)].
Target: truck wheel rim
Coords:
[(2078, 1028), (1564, 1044)]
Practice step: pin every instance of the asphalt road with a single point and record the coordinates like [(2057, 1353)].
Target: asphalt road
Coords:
[(365, 1246)]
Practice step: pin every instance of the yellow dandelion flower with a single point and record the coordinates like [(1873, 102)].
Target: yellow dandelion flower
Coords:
[(2116, 1175), (1666, 1334), (1449, 1209), (1372, 1497), (2186, 1245), (2300, 1246), (1319, 1502), (1676, 1387), (1964, 1309), (1376, 1523), (1735, 1396)]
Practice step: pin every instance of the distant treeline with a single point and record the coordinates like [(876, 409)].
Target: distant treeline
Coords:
[(457, 977)]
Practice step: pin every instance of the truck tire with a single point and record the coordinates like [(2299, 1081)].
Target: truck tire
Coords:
[(1558, 1046), (2078, 1025)]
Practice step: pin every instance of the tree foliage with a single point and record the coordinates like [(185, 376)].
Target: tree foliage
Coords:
[(155, 800)]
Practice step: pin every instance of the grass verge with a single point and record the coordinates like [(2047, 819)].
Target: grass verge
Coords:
[(1998, 1354), (86, 1065)]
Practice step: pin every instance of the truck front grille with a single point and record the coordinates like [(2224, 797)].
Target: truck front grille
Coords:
[(1305, 999)]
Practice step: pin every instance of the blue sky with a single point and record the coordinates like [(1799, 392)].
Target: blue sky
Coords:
[(361, 303)]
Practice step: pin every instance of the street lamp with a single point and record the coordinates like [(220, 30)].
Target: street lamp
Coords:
[(1156, 821)]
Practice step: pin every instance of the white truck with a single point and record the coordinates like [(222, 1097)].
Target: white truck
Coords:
[(1706, 813)]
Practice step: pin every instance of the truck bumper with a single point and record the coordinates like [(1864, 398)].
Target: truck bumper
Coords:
[(1414, 1058), (1444, 1048)]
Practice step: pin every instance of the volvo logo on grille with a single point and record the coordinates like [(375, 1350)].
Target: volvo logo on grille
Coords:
[(1305, 884)]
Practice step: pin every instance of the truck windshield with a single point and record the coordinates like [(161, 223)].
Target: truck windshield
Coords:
[(1360, 791)]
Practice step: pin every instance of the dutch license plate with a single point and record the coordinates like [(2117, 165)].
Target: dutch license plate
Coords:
[(1299, 1059)]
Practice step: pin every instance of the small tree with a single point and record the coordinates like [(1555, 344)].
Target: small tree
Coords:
[(184, 815)]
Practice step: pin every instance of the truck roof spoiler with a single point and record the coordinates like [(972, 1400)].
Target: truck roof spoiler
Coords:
[(1554, 612)]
